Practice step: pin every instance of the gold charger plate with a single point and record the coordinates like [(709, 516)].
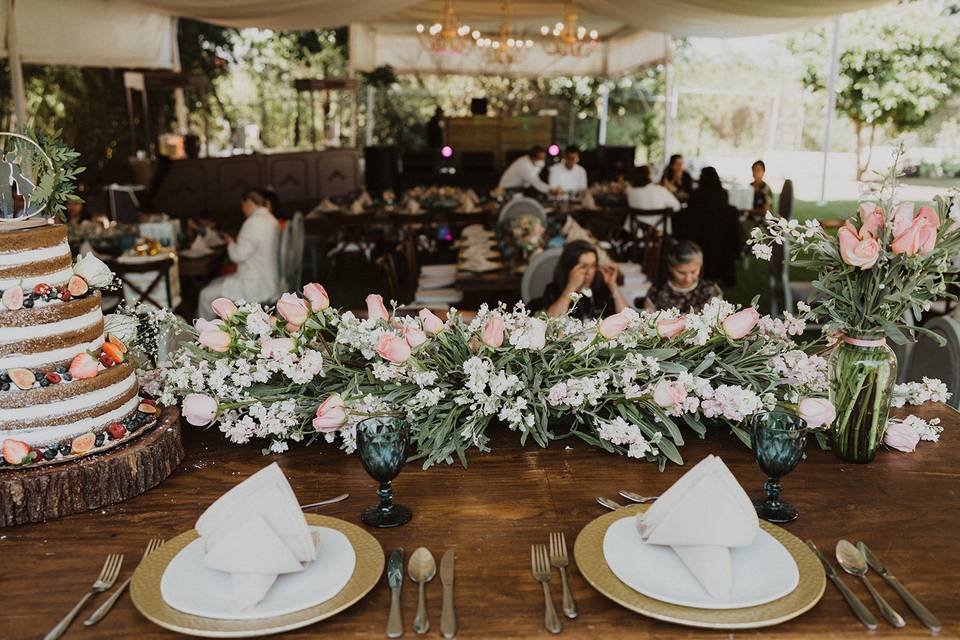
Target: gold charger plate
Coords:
[(145, 589), (588, 551)]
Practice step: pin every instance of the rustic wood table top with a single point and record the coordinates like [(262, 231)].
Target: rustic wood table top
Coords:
[(905, 506)]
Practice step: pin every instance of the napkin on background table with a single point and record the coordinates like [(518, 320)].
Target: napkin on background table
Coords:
[(703, 515), (255, 532)]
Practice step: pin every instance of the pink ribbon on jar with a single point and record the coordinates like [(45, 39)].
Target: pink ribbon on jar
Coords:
[(859, 342)]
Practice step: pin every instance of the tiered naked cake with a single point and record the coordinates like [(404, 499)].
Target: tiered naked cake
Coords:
[(66, 390)]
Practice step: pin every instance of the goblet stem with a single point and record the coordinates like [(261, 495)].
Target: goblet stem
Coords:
[(773, 487), (386, 496)]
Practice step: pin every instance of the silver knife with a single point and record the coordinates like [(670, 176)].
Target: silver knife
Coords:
[(448, 618), (395, 580), (858, 607), (921, 611)]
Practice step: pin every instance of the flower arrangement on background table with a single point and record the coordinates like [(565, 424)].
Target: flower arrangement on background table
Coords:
[(889, 262)]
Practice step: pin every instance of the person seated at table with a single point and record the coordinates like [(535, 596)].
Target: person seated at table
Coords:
[(568, 176), (256, 252), (676, 179), (524, 172), (762, 193), (578, 271), (714, 225), (683, 288), (648, 195)]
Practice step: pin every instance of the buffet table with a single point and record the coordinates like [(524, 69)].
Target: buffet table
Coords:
[(903, 505)]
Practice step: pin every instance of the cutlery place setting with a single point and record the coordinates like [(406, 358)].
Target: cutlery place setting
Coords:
[(422, 568), (543, 559), (857, 560)]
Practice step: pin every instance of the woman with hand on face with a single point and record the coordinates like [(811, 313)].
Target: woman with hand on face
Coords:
[(684, 288), (579, 272)]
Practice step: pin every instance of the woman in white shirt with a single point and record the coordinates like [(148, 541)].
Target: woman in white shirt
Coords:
[(256, 252), (650, 196)]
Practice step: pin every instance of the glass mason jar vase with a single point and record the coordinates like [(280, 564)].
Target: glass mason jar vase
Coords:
[(863, 371)]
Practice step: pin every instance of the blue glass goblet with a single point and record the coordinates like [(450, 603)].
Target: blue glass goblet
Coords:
[(383, 443), (779, 439)]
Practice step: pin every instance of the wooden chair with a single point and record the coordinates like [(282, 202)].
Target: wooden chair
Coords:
[(931, 360), (651, 253), (654, 218), (785, 202)]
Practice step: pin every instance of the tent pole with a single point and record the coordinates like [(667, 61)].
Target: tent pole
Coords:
[(604, 112), (668, 82), (368, 139), (16, 67), (831, 107)]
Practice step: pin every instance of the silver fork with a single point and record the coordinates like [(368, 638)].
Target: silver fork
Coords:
[(541, 571), (559, 559), (108, 575), (104, 608)]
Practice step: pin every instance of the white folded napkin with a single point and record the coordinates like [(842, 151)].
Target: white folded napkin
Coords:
[(357, 206), (413, 206), (438, 270), (701, 516), (468, 206), (479, 265), (199, 247), (255, 532), (473, 230), (587, 202)]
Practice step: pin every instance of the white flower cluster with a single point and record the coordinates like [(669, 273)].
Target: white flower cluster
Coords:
[(488, 392), (620, 432), (361, 335), (577, 392), (635, 369), (777, 230), (782, 328), (732, 403), (807, 373), (929, 430), (914, 393), (705, 323)]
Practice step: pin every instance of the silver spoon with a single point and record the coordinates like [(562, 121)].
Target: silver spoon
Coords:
[(609, 504), (339, 498), (636, 497), (855, 564), (421, 569)]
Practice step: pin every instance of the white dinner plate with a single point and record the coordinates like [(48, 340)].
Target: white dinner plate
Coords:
[(189, 586), (763, 572), (437, 282)]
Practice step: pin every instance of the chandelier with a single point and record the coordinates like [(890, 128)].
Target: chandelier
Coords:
[(447, 35), (505, 48), (568, 37)]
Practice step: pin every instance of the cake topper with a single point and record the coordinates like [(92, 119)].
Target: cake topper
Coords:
[(37, 174)]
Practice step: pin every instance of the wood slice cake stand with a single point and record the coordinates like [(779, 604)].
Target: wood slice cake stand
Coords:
[(45, 493)]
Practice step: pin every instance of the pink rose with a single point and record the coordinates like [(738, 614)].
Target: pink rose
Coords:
[(272, 347), (393, 349), (856, 252), (331, 414), (492, 333), (215, 340), (414, 337), (317, 296), (901, 437), (871, 219), (817, 412), (431, 323), (671, 327), (202, 325), (223, 307), (918, 239), (669, 394), (293, 309), (902, 217), (612, 326), (741, 323), (375, 308), (199, 409)]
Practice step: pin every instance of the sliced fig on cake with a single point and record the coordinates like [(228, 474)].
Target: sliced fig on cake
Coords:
[(82, 444), (114, 352), (15, 452), (148, 408), (77, 286), (117, 342), (23, 378), (13, 298), (83, 366)]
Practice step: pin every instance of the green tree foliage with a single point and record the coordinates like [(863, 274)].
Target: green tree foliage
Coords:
[(898, 65)]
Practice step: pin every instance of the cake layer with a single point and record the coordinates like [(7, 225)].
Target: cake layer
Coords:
[(50, 334), (17, 241), (41, 437), (66, 404), (49, 357), (35, 255)]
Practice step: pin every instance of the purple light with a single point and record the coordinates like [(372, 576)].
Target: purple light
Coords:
[(446, 151), (554, 150)]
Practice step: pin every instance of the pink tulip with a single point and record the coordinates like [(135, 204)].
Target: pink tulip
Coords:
[(202, 325), (331, 414), (393, 349), (536, 333), (215, 340), (871, 220), (317, 296), (272, 347), (739, 324), (671, 327), (223, 307), (431, 323), (612, 326), (293, 309), (817, 412), (902, 217), (669, 394), (414, 337), (927, 213), (199, 409), (492, 333), (901, 437), (919, 239), (375, 308), (855, 252)]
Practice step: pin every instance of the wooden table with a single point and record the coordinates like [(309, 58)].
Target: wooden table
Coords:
[(905, 506)]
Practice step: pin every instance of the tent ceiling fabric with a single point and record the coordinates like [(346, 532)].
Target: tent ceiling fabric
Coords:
[(677, 17)]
